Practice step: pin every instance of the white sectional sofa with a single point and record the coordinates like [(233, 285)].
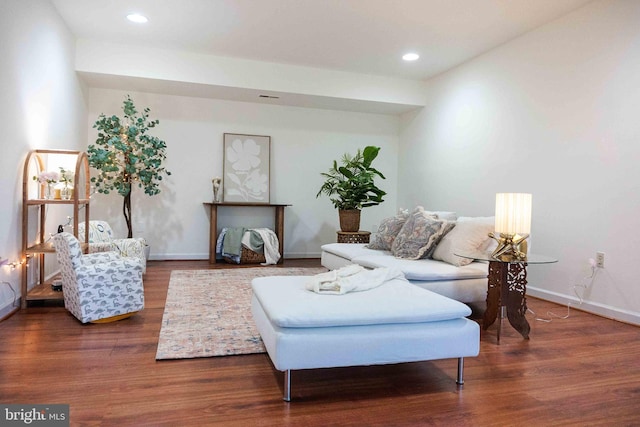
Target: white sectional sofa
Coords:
[(438, 269), (466, 284)]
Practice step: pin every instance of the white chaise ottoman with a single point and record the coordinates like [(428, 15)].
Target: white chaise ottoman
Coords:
[(394, 323)]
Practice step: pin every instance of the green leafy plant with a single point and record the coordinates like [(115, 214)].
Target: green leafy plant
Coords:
[(351, 185), (126, 155)]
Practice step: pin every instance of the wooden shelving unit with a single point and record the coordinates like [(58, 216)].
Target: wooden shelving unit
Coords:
[(34, 215)]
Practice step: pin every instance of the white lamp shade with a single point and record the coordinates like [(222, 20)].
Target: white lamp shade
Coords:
[(513, 213)]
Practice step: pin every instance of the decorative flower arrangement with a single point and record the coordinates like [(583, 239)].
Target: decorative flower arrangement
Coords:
[(66, 176), (47, 177)]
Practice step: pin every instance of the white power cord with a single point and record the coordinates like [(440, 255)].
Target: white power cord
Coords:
[(576, 291)]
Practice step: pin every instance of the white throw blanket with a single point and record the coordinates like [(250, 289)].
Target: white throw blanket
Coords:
[(352, 278), (271, 245)]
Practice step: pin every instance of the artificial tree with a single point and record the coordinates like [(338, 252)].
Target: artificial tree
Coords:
[(125, 154)]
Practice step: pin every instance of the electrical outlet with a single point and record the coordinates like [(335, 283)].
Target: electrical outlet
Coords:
[(600, 259)]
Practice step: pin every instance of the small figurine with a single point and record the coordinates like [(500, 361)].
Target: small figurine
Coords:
[(217, 181), (510, 247)]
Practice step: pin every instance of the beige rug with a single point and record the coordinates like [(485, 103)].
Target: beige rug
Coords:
[(208, 312)]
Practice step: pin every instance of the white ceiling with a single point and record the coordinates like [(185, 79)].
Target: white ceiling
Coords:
[(361, 36)]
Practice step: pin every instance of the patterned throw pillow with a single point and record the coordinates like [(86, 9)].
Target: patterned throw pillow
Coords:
[(387, 232), (419, 235)]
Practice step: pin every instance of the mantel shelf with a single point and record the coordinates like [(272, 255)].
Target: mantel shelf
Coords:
[(47, 247), (247, 204), (56, 202)]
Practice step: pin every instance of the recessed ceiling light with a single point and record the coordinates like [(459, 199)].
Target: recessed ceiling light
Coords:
[(137, 18), (410, 56)]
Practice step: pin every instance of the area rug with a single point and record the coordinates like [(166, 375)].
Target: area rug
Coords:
[(208, 312)]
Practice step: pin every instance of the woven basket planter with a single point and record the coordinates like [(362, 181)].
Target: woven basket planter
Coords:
[(349, 219), (248, 257)]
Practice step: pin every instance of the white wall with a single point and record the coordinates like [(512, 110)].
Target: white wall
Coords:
[(41, 106), (554, 113), (304, 142)]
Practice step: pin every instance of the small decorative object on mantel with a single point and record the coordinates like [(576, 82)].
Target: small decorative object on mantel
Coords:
[(246, 168), (217, 182), (352, 186)]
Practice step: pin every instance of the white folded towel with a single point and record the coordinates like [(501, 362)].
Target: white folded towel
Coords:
[(352, 278), (271, 244)]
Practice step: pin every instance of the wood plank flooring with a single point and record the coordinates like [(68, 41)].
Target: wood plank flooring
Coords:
[(584, 370)]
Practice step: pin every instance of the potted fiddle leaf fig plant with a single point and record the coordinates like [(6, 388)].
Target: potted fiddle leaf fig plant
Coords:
[(126, 156), (351, 186)]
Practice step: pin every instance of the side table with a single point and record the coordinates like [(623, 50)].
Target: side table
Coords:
[(506, 290), (353, 236), (213, 226)]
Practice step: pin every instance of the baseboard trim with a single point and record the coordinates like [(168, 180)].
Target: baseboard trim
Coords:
[(9, 310), (178, 257), (603, 310), (203, 256), (9, 300)]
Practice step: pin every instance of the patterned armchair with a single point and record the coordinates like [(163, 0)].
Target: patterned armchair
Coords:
[(101, 240), (98, 287)]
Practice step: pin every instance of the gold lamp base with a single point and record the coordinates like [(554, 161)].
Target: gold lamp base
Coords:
[(511, 247)]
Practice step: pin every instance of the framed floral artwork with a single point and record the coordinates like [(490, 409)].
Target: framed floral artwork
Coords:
[(246, 168)]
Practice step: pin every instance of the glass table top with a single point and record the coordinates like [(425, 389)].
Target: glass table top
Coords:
[(486, 256)]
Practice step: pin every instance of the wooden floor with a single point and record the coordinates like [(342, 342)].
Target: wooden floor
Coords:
[(584, 370)]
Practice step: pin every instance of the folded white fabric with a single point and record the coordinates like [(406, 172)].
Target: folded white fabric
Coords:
[(270, 240), (351, 278)]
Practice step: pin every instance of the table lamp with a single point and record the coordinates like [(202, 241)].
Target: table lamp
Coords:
[(512, 227)]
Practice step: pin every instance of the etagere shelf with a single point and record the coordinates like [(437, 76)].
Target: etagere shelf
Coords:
[(35, 245)]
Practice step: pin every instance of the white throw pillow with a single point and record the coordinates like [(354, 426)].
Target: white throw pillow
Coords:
[(469, 235)]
